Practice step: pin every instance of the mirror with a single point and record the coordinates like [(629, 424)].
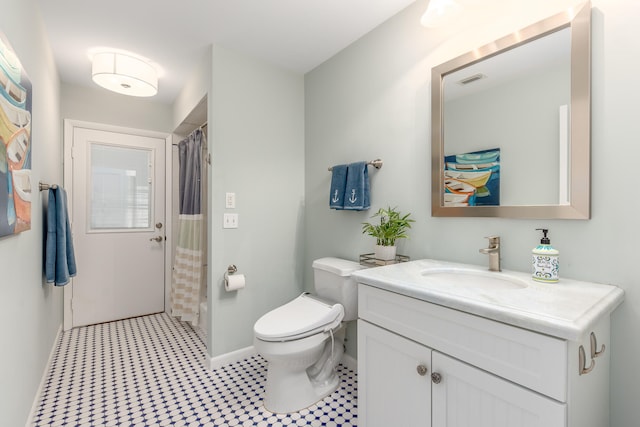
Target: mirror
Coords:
[(511, 124)]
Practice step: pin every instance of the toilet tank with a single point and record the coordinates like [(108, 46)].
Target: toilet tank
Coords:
[(332, 281)]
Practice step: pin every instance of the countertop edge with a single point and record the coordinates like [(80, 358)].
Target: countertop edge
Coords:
[(572, 331)]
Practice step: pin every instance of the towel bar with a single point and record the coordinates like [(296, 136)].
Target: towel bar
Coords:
[(44, 186), (377, 163)]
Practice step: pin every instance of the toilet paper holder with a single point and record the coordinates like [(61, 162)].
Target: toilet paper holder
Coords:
[(233, 282)]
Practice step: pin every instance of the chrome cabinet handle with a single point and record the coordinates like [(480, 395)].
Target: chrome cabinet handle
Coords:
[(422, 370), (594, 345), (436, 378), (157, 239), (582, 360)]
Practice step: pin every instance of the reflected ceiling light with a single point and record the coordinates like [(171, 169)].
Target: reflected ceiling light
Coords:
[(125, 74), (440, 12)]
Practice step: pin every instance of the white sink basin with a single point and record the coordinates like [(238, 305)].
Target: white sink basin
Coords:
[(474, 279)]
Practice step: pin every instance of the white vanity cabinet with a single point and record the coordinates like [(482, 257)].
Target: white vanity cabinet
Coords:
[(394, 379), (468, 396), (424, 364)]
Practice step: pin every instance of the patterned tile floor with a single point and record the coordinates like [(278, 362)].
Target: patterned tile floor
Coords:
[(148, 371)]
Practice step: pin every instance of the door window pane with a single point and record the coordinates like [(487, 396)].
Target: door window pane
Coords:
[(120, 191)]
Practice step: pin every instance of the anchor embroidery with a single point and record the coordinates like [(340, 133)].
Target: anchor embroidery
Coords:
[(353, 197), (335, 197)]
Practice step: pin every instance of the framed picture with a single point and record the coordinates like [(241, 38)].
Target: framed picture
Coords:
[(15, 143), (472, 179)]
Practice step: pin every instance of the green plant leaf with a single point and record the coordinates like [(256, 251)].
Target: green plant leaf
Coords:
[(392, 226)]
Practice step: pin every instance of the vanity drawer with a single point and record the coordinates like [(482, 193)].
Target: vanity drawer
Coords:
[(536, 361)]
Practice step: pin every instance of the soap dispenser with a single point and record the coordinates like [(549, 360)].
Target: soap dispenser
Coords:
[(545, 260)]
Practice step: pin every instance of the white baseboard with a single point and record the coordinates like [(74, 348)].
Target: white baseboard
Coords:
[(349, 362), (234, 356), (36, 398), (213, 363)]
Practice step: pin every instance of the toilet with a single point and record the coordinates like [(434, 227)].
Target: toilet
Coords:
[(303, 340)]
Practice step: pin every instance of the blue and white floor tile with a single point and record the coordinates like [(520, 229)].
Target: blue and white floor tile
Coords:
[(148, 371)]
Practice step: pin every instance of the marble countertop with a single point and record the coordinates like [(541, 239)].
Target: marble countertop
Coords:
[(566, 309)]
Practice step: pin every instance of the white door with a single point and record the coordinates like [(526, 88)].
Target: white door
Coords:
[(394, 383), (118, 202), (469, 397)]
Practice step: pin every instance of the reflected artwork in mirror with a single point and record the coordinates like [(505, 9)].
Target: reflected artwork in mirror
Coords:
[(511, 124)]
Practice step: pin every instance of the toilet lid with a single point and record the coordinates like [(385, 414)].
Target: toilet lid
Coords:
[(304, 316)]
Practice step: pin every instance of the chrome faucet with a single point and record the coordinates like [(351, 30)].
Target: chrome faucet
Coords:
[(494, 253)]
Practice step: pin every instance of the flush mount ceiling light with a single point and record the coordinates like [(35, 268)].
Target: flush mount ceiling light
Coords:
[(125, 74), (439, 13)]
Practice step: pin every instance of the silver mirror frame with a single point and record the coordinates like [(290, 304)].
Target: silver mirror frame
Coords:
[(578, 19)]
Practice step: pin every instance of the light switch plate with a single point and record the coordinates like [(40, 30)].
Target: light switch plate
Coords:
[(230, 220)]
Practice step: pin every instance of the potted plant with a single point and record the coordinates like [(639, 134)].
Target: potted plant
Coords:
[(392, 226)]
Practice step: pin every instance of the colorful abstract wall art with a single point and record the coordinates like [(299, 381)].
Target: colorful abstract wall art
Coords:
[(472, 179), (15, 143)]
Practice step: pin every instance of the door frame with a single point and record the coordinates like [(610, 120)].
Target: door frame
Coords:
[(69, 127)]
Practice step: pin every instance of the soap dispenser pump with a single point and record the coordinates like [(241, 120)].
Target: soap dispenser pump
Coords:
[(545, 260)]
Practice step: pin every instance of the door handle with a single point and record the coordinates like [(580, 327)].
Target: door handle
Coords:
[(157, 239)]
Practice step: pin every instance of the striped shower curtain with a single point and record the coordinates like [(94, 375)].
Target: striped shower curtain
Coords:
[(188, 264)]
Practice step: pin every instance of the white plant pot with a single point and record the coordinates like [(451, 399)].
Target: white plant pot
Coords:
[(385, 253)]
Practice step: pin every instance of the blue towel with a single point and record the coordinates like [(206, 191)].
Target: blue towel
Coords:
[(60, 261), (338, 182), (356, 195)]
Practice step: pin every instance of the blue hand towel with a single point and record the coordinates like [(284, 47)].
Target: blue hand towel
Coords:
[(338, 182), (60, 261), (357, 192)]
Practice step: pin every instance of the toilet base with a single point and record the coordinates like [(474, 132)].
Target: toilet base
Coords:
[(291, 387), (293, 392)]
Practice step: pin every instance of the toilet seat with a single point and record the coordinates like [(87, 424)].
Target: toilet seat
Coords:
[(299, 318)]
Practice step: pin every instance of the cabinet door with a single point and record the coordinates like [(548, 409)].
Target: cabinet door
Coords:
[(394, 383), (469, 397)]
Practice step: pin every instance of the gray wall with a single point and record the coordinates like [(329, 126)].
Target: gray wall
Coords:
[(256, 138), (101, 106), (194, 90), (31, 312), (373, 100)]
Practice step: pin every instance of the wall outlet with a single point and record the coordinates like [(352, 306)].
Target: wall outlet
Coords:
[(230, 200), (230, 220)]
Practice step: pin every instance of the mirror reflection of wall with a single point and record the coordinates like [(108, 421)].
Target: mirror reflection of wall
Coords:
[(515, 106), (540, 127)]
